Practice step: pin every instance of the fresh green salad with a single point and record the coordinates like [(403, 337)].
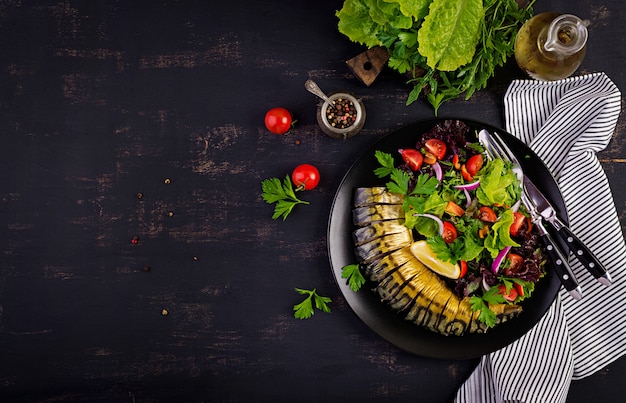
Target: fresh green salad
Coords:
[(466, 211)]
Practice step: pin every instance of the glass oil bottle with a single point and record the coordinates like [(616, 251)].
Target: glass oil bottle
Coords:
[(551, 46)]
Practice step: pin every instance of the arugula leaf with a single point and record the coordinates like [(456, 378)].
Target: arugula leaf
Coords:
[(304, 309), (283, 194), (352, 272)]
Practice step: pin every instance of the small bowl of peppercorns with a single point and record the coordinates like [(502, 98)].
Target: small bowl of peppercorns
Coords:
[(343, 118)]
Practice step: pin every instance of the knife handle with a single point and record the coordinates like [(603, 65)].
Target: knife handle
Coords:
[(560, 263), (584, 255)]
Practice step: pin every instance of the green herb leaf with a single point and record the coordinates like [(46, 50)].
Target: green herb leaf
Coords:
[(425, 185), (304, 309), (352, 272), (399, 182), (486, 315), (281, 193), (481, 303), (387, 164)]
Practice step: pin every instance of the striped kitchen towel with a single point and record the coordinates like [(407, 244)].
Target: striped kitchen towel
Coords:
[(566, 123)]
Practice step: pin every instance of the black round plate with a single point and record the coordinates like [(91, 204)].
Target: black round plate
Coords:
[(385, 321)]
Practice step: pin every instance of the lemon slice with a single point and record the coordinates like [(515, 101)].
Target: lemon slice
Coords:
[(424, 254)]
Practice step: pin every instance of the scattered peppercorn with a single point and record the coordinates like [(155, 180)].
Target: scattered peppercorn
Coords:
[(146, 268), (140, 195)]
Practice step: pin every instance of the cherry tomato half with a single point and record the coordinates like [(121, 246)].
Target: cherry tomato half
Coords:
[(519, 288), (463, 265), (486, 214), (514, 264), (429, 158), (436, 147), (449, 232), (518, 222), (474, 164), (305, 177), (412, 158), (278, 120), (509, 296)]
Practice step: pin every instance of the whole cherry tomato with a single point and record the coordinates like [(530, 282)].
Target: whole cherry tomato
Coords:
[(305, 177), (278, 120)]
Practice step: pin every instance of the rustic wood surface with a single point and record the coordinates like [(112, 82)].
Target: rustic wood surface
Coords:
[(144, 119)]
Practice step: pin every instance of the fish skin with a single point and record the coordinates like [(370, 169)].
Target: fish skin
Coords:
[(377, 229), (379, 247), (395, 281), (379, 268), (367, 196), (362, 216)]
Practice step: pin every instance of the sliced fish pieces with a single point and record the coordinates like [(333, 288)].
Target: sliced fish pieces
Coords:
[(379, 268), (396, 280), (362, 216), (376, 195), (383, 248), (377, 229), (379, 247)]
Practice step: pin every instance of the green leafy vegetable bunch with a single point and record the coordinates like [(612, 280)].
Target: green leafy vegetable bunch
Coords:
[(447, 47)]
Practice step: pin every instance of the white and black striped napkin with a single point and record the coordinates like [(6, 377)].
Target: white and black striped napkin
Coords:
[(566, 123)]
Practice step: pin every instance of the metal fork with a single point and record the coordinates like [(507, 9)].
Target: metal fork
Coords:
[(496, 148)]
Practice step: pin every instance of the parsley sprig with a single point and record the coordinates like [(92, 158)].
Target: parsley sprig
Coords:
[(401, 182), (352, 273), (304, 309), (481, 303), (281, 193)]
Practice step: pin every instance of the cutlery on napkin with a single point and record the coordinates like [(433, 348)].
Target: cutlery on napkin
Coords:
[(566, 122)]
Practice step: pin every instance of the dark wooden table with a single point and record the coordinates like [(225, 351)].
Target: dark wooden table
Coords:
[(145, 119)]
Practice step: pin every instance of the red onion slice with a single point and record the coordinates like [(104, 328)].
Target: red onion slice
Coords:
[(495, 266)]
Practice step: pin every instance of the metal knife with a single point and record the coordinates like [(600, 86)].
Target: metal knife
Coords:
[(578, 248), (558, 258)]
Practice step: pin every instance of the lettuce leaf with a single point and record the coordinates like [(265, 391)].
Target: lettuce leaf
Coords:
[(356, 23), (413, 8), (499, 237), (449, 34), (363, 21), (497, 185)]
